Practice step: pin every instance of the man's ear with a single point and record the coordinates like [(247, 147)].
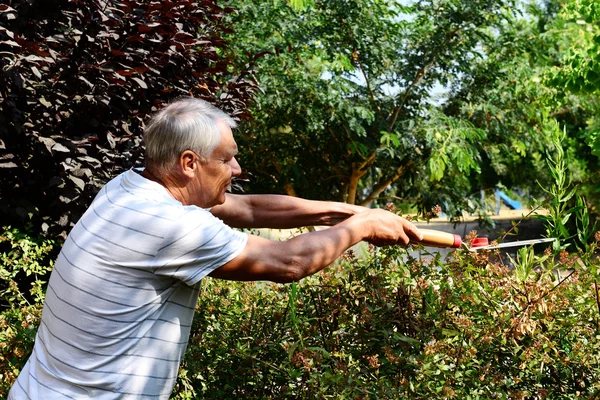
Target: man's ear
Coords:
[(188, 164)]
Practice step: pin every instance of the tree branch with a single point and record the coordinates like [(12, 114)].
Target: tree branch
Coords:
[(420, 75), (364, 73), (383, 184)]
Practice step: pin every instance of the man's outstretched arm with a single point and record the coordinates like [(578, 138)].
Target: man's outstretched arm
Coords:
[(281, 212), (309, 253)]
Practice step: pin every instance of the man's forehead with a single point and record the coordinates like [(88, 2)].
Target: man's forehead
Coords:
[(228, 144)]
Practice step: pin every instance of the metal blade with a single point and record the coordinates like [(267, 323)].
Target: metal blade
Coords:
[(514, 244)]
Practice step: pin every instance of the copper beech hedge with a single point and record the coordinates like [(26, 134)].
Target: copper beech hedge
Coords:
[(77, 81)]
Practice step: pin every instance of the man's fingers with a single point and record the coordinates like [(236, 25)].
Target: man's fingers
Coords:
[(414, 231), (404, 239)]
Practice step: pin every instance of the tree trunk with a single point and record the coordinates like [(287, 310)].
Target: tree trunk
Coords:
[(358, 171), (382, 185), (352, 186)]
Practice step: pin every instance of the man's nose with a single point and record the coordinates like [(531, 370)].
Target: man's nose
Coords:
[(235, 167)]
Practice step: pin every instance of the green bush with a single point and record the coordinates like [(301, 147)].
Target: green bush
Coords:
[(384, 326), (25, 263), (391, 326)]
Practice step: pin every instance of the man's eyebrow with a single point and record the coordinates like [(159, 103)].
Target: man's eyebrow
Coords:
[(231, 153)]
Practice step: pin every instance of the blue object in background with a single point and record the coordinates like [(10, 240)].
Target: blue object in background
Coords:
[(501, 196)]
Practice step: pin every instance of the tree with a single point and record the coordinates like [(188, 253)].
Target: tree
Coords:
[(78, 80), (575, 73), (429, 102), (522, 88), (346, 108)]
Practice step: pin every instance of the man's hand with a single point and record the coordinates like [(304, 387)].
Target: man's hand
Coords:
[(384, 228)]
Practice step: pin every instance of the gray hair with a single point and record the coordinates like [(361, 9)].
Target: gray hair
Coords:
[(185, 124)]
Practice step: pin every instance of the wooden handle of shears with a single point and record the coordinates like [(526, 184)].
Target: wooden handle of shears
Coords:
[(442, 239)]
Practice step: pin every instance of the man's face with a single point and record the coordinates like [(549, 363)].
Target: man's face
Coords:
[(213, 177)]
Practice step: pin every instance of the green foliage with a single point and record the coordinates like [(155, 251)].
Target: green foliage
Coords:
[(455, 143), (578, 65), (385, 325), (565, 209), (25, 263), (520, 90), (300, 4), (18, 327), (345, 110), (560, 194), (391, 326), (352, 94), (503, 97), (579, 26), (570, 67)]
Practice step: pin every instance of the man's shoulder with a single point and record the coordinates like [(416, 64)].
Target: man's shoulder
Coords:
[(131, 187)]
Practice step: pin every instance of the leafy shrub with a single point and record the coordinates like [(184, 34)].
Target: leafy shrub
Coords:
[(381, 327), (77, 80), (25, 263), (395, 327)]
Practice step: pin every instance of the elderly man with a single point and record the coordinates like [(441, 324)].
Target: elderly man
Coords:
[(122, 295)]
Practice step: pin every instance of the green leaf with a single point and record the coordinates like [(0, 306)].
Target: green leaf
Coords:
[(565, 218), (568, 196), (450, 332), (436, 167), (406, 339)]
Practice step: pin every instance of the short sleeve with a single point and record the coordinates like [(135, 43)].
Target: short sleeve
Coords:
[(197, 244)]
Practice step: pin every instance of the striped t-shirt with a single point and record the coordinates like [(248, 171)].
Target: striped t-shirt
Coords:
[(122, 295)]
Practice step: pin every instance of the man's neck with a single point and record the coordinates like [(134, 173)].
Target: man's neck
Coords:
[(178, 192)]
